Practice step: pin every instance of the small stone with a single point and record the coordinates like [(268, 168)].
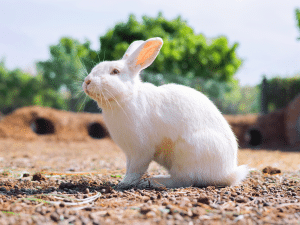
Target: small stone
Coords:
[(178, 217), (38, 177), (144, 210), (84, 220), (153, 197), (55, 217), (266, 204), (204, 200), (150, 214), (88, 209), (26, 174), (271, 170), (240, 199), (3, 189), (159, 196), (169, 217), (169, 207)]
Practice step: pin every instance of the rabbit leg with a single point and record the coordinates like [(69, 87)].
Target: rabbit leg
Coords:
[(164, 181), (135, 169)]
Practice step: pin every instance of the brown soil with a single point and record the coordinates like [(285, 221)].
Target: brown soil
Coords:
[(28, 123), (293, 121), (67, 177), (75, 171)]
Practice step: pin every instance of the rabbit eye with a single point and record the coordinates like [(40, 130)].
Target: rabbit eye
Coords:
[(115, 71)]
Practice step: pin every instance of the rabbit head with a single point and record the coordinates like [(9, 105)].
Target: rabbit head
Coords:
[(114, 81)]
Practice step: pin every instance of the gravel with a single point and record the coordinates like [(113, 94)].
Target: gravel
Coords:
[(269, 195), (261, 199)]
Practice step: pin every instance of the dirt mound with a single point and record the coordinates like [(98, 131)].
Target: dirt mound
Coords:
[(264, 131), (292, 118), (272, 129), (240, 125), (30, 123)]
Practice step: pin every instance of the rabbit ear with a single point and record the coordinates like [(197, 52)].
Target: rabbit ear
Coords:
[(134, 45), (144, 55)]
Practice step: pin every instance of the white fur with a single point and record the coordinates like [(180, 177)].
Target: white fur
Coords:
[(142, 117)]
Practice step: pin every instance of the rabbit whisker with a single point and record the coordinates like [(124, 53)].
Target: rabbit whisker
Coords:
[(116, 102), (78, 99), (107, 103), (106, 100), (82, 103), (79, 92), (83, 66), (101, 96)]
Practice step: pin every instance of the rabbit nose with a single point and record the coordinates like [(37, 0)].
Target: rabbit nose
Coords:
[(88, 82)]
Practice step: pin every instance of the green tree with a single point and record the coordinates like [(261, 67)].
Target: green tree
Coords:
[(183, 53), (297, 11), (19, 89), (241, 100), (281, 91), (70, 60)]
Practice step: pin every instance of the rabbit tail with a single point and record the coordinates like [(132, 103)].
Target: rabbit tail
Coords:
[(238, 175)]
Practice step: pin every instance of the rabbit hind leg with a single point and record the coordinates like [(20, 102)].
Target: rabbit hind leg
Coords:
[(163, 181)]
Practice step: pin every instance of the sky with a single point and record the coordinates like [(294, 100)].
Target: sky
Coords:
[(265, 30)]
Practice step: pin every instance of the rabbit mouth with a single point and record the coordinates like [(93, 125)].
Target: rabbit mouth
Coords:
[(87, 92), (98, 97)]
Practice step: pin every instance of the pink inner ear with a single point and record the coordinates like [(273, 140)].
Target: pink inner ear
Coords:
[(148, 50)]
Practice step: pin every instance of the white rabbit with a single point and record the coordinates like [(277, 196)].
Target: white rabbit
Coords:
[(174, 125)]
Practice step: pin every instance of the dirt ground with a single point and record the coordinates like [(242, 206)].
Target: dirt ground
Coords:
[(53, 182)]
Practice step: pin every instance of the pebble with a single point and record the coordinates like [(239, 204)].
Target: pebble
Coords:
[(150, 214), (55, 217), (3, 189)]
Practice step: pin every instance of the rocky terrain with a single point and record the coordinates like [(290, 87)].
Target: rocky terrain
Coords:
[(50, 182)]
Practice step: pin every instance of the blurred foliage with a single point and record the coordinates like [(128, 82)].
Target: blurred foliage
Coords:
[(70, 60), (298, 19), (230, 98), (281, 91), (184, 53), (241, 100), (186, 58), (18, 89)]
